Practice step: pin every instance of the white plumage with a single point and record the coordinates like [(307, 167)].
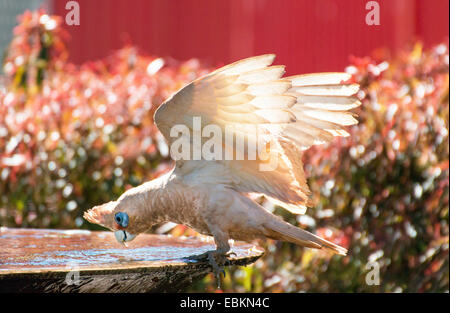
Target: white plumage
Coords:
[(303, 110), (291, 113)]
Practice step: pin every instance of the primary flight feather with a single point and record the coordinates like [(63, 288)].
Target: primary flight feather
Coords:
[(289, 114)]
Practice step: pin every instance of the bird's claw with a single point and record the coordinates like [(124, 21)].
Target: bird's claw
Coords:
[(211, 256), (216, 268), (231, 253), (205, 256), (198, 257)]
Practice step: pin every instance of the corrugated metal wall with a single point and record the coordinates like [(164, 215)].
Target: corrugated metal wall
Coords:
[(307, 35)]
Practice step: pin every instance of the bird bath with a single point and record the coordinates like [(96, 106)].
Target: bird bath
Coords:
[(45, 260)]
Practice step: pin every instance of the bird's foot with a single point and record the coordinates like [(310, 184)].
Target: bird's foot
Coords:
[(206, 255), (216, 259), (217, 269)]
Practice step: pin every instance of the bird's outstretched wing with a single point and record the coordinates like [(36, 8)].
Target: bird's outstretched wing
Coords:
[(290, 113)]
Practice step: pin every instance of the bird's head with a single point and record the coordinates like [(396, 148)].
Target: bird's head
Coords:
[(122, 217)]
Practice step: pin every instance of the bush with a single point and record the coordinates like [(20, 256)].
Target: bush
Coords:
[(72, 137), (386, 188)]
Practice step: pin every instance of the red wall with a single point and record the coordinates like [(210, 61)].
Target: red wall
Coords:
[(306, 35)]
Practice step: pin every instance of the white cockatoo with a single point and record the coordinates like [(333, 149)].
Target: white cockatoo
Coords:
[(281, 116)]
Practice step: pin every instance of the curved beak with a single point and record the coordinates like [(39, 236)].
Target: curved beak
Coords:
[(122, 236)]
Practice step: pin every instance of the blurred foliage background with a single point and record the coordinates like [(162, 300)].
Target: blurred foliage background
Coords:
[(72, 137)]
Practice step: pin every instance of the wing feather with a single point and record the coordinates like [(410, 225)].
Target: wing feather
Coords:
[(289, 115)]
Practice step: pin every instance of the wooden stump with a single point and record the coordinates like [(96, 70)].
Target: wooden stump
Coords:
[(44, 260)]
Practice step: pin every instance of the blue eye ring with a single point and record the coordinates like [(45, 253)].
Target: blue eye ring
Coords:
[(121, 219)]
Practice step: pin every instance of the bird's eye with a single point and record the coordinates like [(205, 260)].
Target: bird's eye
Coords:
[(121, 219)]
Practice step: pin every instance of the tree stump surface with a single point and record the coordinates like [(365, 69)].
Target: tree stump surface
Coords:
[(46, 260)]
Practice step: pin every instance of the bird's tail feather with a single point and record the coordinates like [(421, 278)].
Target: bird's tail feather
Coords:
[(281, 230)]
